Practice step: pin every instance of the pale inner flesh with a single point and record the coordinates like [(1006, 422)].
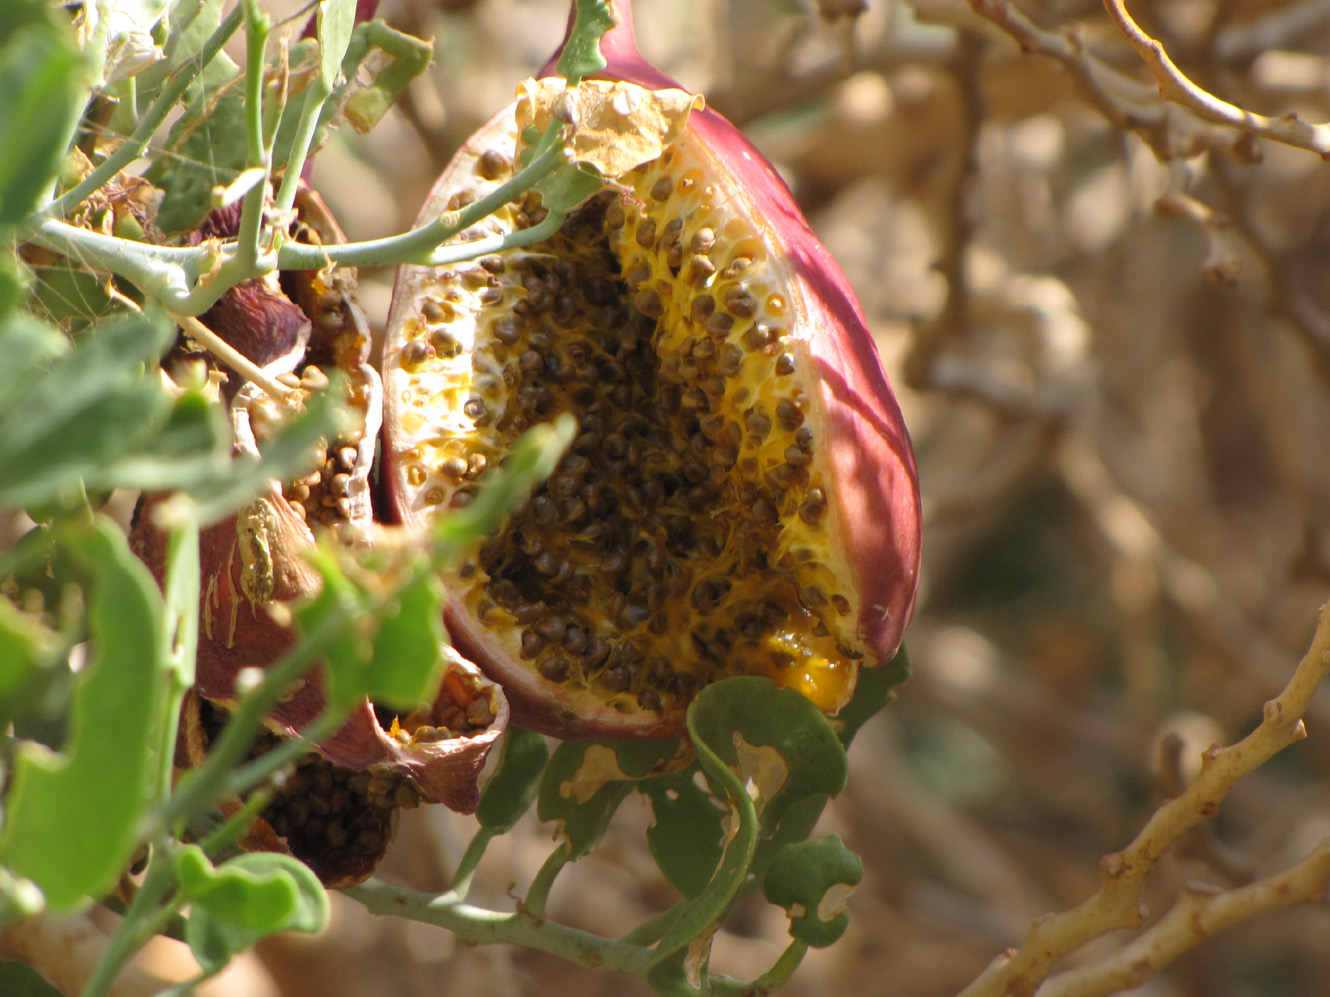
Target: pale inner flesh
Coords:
[(684, 537)]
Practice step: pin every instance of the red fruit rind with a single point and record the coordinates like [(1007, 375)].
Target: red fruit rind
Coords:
[(848, 581)]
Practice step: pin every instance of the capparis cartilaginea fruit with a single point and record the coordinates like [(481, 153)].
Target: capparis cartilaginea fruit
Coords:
[(742, 497)]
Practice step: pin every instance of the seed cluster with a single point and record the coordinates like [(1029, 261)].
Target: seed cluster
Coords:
[(683, 537), (333, 817)]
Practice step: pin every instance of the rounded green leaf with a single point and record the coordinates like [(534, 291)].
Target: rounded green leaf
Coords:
[(262, 901), (687, 839), (779, 743), (585, 782), (72, 818), (213, 933), (813, 880), (513, 787)]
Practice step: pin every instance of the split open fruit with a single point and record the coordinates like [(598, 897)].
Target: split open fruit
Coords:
[(742, 496)]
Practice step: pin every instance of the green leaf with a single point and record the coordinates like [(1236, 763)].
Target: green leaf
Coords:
[(348, 657), (687, 839), (585, 781), (41, 76), (72, 820), (410, 57), (779, 743), (391, 656), (207, 149), (259, 901), (406, 659), (567, 187), (337, 19), (14, 282), (29, 655), (20, 980), (870, 696), (29, 346), (532, 459), (581, 55), (684, 952), (514, 785), (83, 411), (214, 939), (812, 880)]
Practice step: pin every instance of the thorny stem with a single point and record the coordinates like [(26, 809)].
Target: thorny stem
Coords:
[(147, 913), (206, 784), (1198, 914)]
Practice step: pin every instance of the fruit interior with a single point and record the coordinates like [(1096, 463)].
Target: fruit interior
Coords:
[(688, 534)]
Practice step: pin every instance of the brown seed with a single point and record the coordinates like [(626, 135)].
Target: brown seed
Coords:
[(739, 302), (444, 343), (789, 415), (413, 353), (506, 330), (731, 359), (532, 645), (595, 652), (700, 268), (737, 267), (574, 640), (553, 667), (704, 239), (479, 713), (648, 303), (701, 308), (493, 263), (662, 189), (551, 629), (453, 467), (646, 234), (784, 364), (492, 164)]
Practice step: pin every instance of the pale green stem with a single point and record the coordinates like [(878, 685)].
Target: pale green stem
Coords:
[(478, 926), (257, 27), (466, 868), (316, 97), (537, 897), (769, 982)]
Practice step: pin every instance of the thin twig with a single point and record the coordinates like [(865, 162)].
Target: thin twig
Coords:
[(234, 359), (1174, 86), (1117, 904), (1198, 914)]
